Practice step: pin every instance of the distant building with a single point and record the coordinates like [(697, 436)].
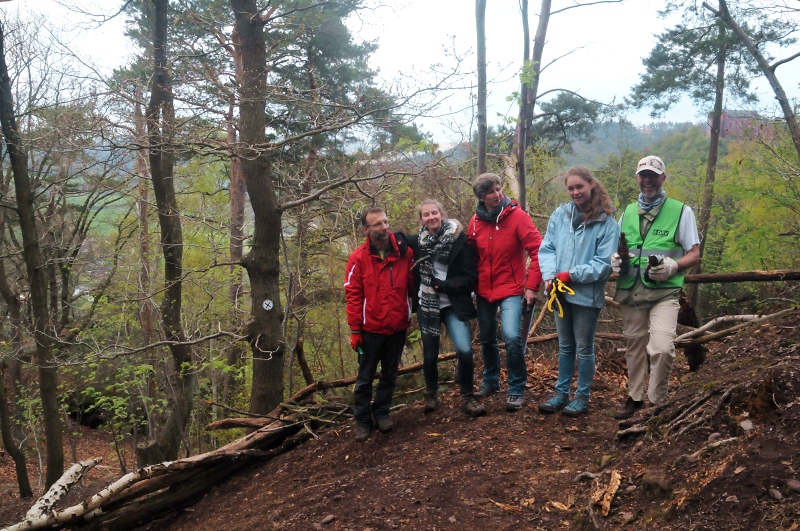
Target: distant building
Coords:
[(736, 124)]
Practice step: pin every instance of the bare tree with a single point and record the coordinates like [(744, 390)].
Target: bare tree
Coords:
[(37, 279), (161, 131), (480, 22), (766, 68)]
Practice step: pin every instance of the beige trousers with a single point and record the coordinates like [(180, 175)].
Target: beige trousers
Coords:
[(650, 332)]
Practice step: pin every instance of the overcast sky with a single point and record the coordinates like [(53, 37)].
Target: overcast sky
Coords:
[(600, 49)]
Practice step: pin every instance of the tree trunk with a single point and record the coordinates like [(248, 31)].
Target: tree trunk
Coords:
[(704, 218), (521, 138), (480, 22), (8, 440), (146, 307), (264, 329), (530, 86), (160, 123), (233, 380), (536, 60), (12, 299), (37, 278), (766, 69)]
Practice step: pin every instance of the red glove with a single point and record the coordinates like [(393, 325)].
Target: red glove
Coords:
[(563, 277), (356, 341)]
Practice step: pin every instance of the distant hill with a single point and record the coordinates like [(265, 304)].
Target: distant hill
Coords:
[(613, 138)]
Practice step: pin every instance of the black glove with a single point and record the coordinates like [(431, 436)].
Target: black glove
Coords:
[(402, 242), (441, 285)]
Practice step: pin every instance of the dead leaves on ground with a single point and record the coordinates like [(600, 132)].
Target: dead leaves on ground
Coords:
[(507, 507)]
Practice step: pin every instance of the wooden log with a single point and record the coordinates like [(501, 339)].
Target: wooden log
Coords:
[(714, 322), (238, 422), (611, 491), (60, 488), (551, 337), (739, 276), (636, 429), (148, 508), (730, 331), (119, 500), (308, 392), (713, 445), (142, 511)]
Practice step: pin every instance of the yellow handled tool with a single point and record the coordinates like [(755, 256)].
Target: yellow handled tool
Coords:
[(555, 288)]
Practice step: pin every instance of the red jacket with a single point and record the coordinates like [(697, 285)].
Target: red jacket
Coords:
[(377, 290), (500, 247)]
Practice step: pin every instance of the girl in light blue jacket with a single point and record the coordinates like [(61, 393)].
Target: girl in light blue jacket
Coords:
[(581, 237)]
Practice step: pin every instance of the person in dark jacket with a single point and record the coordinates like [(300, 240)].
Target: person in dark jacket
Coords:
[(445, 275), (377, 285), (501, 234)]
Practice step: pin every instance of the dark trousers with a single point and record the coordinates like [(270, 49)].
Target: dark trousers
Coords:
[(385, 349)]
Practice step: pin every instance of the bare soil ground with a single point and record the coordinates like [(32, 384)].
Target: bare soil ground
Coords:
[(88, 443), (521, 470)]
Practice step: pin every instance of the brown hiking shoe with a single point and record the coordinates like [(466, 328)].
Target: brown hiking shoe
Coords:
[(472, 407), (431, 402), (631, 407)]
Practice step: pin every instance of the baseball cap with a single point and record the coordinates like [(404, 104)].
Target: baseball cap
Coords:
[(652, 163)]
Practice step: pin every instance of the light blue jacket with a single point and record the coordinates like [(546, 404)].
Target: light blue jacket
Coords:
[(584, 251)]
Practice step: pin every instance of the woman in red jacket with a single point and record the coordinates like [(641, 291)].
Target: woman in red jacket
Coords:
[(501, 233)]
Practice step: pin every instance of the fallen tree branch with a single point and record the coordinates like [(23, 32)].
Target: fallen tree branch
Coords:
[(551, 337), (613, 485), (60, 488), (636, 429), (711, 446), (694, 405), (725, 397), (538, 321), (233, 409), (714, 322), (733, 330)]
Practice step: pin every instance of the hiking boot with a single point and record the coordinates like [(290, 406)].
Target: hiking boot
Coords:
[(472, 407), (631, 406), (557, 402), (363, 432), (515, 402), (576, 408), (431, 402), (484, 391), (385, 424)]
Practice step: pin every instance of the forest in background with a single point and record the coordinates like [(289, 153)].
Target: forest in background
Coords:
[(172, 238)]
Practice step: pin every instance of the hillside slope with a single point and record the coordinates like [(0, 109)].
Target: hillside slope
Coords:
[(521, 470)]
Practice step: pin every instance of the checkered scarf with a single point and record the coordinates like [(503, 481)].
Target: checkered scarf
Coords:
[(437, 248)]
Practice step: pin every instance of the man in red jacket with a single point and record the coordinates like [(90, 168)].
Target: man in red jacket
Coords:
[(501, 233), (377, 284)]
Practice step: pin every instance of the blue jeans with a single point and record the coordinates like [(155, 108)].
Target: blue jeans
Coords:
[(462, 341), (511, 319), (576, 338)]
